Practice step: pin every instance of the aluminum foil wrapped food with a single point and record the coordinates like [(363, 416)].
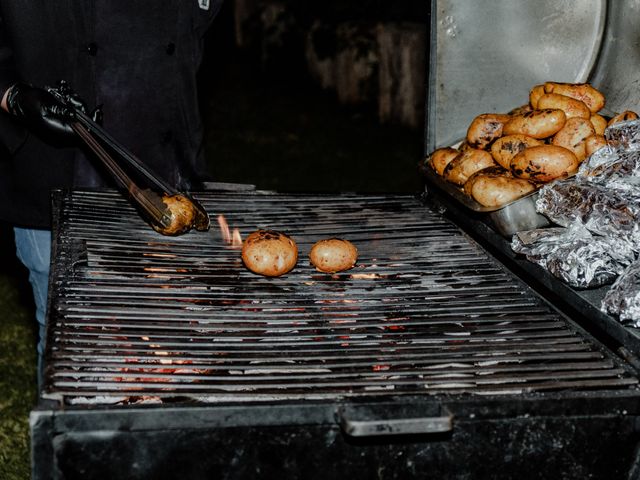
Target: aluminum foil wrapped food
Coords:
[(624, 136), (615, 170), (601, 209), (574, 255), (623, 299)]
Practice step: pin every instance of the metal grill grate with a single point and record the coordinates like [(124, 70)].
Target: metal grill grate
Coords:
[(136, 316)]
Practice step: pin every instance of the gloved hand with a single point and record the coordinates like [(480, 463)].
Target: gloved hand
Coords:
[(41, 112)]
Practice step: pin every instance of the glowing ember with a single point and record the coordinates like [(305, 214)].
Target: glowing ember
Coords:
[(364, 276), (233, 239)]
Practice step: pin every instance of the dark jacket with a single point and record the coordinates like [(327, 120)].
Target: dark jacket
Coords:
[(138, 58)]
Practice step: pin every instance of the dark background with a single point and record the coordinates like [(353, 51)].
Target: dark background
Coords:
[(269, 124)]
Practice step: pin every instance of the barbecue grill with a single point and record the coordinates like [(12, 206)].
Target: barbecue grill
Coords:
[(161, 349), (439, 355)]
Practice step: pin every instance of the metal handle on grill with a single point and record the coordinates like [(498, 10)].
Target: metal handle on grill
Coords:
[(358, 422)]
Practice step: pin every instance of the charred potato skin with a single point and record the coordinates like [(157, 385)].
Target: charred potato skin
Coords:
[(269, 253), (544, 163), (520, 110), (584, 92), (623, 117), (333, 255), (538, 124), (466, 164), (573, 136), (441, 157), (182, 215), (485, 128), (507, 147), (494, 171), (570, 106)]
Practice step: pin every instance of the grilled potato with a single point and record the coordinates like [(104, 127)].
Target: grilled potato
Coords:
[(507, 147), (466, 164), (495, 187), (623, 117), (182, 214), (537, 123), (485, 128), (333, 255), (592, 97), (573, 136), (544, 163), (594, 143), (570, 106), (534, 95), (441, 157), (269, 253), (599, 123)]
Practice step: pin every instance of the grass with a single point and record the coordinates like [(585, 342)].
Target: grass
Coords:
[(17, 363), (277, 135)]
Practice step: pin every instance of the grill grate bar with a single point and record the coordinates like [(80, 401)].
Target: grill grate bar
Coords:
[(527, 382)]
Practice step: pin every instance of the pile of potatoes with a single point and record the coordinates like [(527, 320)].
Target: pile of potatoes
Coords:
[(506, 156)]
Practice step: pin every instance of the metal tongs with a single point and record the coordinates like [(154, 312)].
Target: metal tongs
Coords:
[(149, 201)]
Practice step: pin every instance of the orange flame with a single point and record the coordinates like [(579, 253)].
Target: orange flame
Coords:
[(236, 241), (224, 228), (232, 239)]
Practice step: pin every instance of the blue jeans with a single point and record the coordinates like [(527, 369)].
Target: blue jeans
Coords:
[(33, 248)]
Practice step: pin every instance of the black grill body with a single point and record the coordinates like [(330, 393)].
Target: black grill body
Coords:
[(166, 358)]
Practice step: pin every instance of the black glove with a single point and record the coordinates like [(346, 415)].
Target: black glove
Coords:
[(43, 113)]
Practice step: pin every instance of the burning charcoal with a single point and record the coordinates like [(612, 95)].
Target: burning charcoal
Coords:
[(623, 299)]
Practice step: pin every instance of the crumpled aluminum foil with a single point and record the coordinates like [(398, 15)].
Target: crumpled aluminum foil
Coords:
[(574, 255), (616, 170), (601, 209), (623, 299), (624, 136)]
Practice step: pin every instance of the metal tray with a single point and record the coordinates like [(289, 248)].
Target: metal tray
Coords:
[(508, 219)]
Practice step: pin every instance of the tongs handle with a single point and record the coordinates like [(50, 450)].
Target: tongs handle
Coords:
[(136, 163), (148, 200), (201, 221)]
